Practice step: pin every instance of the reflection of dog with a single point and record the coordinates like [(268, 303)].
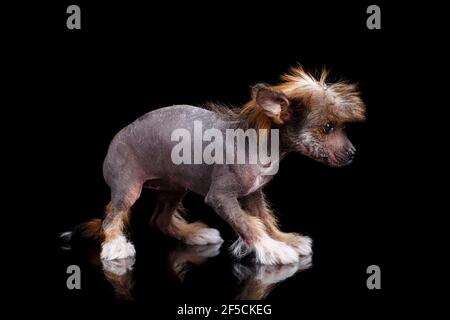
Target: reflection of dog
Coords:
[(119, 273), (182, 258), (310, 116), (257, 281)]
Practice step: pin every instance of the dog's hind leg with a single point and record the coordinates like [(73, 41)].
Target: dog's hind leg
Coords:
[(168, 217), (125, 176), (256, 205), (115, 245)]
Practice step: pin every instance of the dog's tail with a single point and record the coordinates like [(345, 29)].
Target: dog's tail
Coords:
[(87, 232), (90, 231)]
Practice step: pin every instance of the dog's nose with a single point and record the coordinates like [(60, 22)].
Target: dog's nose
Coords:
[(351, 153)]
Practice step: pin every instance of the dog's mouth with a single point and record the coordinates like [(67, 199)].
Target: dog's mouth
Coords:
[(324, 160), (333, 162), (342, 163)]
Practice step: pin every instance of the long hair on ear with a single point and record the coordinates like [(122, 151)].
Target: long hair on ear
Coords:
[(266, 107)]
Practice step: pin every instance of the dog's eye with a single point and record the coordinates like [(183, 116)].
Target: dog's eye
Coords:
[(328, 128)]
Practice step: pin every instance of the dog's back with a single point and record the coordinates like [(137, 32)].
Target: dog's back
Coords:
[(143, 150)]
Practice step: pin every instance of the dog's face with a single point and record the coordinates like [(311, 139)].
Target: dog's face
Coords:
[(312, 115), (326, 143), (317, 129)]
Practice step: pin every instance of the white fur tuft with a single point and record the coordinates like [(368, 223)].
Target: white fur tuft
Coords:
[(267, 251), (204, 236), (239, 248), (271, 251), (66, 237), (118, 248), (303, 246)]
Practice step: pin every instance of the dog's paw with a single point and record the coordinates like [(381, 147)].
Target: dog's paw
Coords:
[(303, 245), (118, 248), (270, 251), (204, 236)]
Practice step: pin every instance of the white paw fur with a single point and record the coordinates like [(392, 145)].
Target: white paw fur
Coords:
[(118, 248), (271, 251), (303, 245), (204, 236), (267, 251)]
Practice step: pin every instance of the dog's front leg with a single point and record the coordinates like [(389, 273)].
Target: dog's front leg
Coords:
[(253, 236), (256, 205)]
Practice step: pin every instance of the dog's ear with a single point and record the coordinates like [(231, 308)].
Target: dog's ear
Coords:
[(273, 103)]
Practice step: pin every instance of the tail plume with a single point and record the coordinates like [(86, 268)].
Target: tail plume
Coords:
[(91, 230), (87, 232)]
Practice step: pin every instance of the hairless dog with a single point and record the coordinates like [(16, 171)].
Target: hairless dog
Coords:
[(309, 115)]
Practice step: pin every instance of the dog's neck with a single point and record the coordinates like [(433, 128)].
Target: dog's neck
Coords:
[(286, 143)]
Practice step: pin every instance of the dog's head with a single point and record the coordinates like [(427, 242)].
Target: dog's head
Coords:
[(311, 113)]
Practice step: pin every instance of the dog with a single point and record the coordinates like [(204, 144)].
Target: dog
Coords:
[(309, 115)]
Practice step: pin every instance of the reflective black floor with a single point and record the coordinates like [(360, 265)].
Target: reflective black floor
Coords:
[(179, 270), (166, 274), (165, 269)]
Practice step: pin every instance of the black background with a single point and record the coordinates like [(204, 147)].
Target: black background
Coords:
[(131, 58)]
